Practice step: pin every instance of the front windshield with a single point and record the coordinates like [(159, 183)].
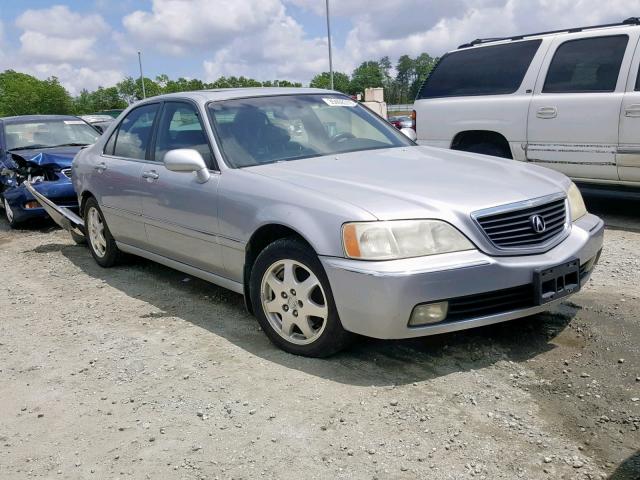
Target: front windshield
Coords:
[(48, 133), (261, 130)]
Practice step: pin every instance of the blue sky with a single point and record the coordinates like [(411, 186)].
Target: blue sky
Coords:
[(94, 42)]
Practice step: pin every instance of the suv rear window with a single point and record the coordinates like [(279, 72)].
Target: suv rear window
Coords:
[(586, 65), (491, 70)]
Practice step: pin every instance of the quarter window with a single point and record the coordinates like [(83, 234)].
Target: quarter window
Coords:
[(180, 127), (638, 81), (135, 131), (586, 65), (493, 70)]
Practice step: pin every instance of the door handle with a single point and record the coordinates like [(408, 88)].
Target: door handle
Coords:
[(101, 167), (151, 175), (632, 110), (547, 112)]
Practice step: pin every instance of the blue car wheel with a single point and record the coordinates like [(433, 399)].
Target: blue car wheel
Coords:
[(8, 213)]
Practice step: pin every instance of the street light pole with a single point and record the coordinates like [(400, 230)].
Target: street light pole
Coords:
[(329, 40), (144, 93)]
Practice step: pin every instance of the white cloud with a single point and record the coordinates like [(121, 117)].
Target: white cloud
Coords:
[(59, 21), (396, 27), (41, 47), (59, 42), (176, 26), (76, 78)]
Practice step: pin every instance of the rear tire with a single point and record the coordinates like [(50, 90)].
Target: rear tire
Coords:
[(101, 243), (293, 303)]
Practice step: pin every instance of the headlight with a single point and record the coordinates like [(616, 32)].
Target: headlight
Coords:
[(576, 203), (401, 239)]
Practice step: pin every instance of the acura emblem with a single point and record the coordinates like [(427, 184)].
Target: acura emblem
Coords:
[(537, 223)]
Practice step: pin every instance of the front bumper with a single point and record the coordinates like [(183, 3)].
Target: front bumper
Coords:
[(376, 298), (61, 192)]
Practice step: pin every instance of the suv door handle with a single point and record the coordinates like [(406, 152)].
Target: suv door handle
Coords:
[(547, 112), (632, 110), (151, 175), (101, 167)]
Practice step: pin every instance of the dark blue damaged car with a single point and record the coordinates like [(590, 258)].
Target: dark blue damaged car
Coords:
[(39, 149)]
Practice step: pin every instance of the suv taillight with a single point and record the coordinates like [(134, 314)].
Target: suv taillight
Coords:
[(413, 119)]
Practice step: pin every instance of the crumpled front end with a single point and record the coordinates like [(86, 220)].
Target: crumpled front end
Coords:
[(48, 173)]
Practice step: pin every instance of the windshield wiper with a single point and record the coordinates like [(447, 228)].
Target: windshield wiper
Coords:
[(71, 144), (27, 147)]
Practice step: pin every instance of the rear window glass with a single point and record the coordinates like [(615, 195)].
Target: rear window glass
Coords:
[(491, 70), (586, 65)]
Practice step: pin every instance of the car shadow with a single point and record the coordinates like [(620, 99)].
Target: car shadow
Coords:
[(629, 469), (618, 208), (366, 362)]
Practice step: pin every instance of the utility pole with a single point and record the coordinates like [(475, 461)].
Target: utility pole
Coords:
[(329, 40), (144, 93)]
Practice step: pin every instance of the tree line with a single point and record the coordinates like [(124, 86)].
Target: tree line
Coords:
[(23, 94)]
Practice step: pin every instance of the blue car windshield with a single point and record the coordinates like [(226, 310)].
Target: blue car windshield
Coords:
[(48, 133), (261, 130)]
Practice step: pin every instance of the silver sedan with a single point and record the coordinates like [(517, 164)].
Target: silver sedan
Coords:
[(327, 219)]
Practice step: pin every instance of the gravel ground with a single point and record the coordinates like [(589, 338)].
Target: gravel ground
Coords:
[(142, 372)]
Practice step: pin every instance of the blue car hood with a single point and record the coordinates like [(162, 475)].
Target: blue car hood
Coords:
[(57, 158)]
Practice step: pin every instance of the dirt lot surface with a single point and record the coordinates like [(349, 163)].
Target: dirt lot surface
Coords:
[(142, 372)]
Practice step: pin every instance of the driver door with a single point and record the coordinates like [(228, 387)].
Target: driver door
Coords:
[(180, 214)]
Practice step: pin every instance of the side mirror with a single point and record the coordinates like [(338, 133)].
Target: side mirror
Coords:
[(187, 160), (410, 133)]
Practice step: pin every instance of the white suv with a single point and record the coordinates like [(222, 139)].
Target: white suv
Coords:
[(568, 100)]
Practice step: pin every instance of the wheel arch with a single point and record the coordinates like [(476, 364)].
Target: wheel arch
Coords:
[(260, 239), (84, 196), (466, 138)]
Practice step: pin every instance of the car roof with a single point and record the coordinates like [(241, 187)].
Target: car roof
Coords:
[(35, 118), (231, 93), (627, 24)]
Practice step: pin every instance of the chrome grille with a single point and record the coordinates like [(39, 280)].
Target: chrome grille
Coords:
[(513, 228)]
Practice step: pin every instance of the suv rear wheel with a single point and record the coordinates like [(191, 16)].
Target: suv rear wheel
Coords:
[(293, 302)]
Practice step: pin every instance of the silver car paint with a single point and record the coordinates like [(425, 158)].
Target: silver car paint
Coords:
[(204, 229)]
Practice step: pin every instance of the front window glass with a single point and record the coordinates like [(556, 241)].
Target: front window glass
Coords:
[(180, 127), (134, 132), (261, 130), (49, 133)]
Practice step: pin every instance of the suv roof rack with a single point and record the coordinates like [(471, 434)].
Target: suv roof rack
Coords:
[(480, 41)]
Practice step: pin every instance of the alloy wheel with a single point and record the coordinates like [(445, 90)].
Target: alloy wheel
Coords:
[(8, 211), (96, 232), (294, 301)]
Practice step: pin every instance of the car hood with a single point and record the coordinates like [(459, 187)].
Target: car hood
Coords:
[(58, 157), (418, 182)]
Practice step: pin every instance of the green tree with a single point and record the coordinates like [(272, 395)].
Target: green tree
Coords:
[(423, 64), (22, 94), (367, 75), (341, 81)]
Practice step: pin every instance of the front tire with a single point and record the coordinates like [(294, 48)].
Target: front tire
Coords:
[(8, 214), (293, 303), (101, 243)]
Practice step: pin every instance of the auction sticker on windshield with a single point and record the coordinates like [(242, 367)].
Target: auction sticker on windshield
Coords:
[(339, 102)]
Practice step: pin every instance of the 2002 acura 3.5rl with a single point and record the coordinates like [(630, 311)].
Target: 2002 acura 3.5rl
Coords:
[(329, 220)]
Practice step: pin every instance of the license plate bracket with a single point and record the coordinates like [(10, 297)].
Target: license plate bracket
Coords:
[(556, 282)]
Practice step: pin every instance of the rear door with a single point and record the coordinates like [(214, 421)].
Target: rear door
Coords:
[(573, 116), (181, 214), (116, 179), (628, 156)]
